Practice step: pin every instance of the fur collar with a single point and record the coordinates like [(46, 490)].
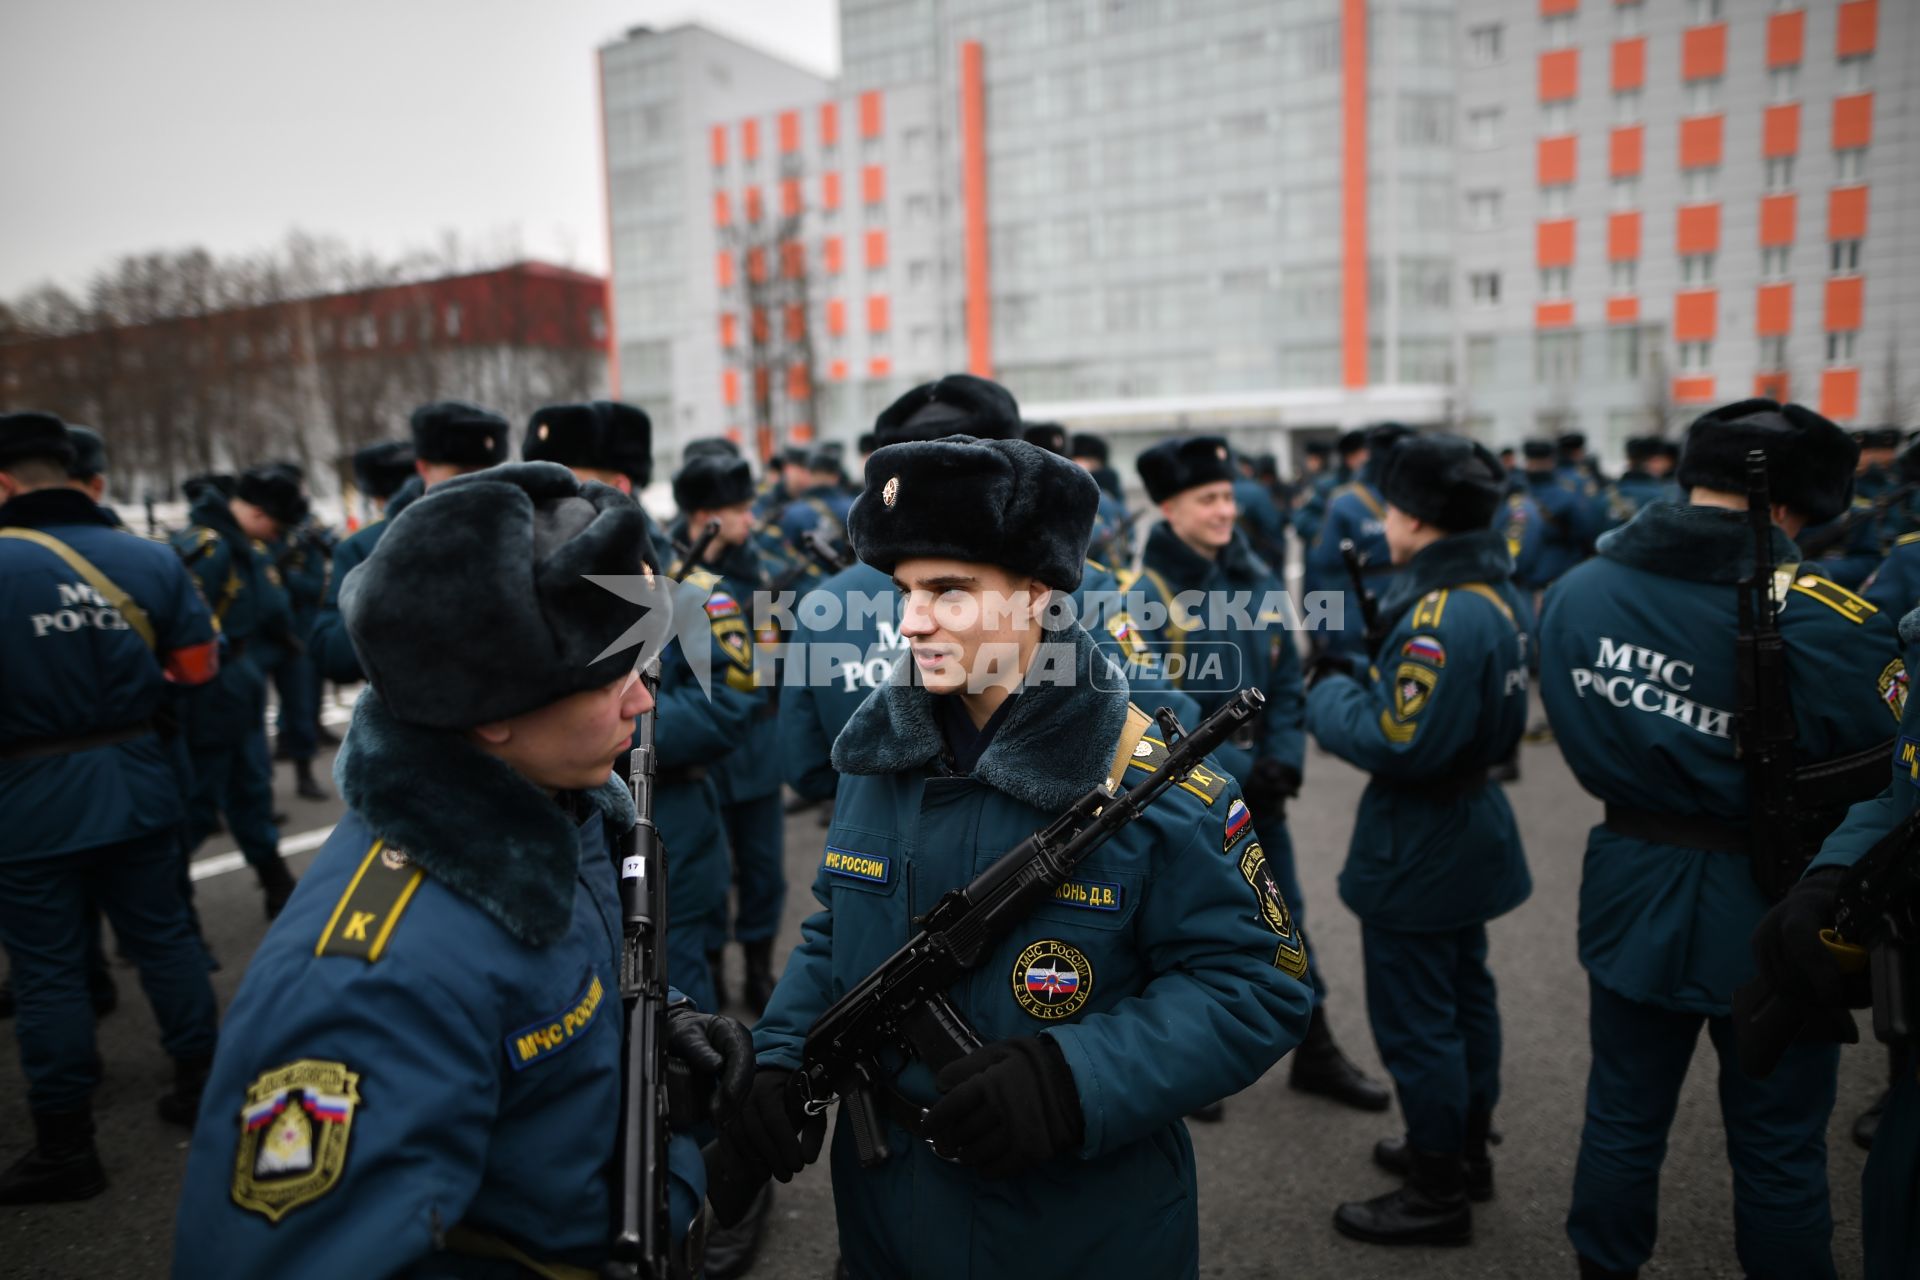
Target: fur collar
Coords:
[(1910, 628), (468, 820), (53, 506), (1187, 569), (1056, 745), (1693, 544), (1478, 556)]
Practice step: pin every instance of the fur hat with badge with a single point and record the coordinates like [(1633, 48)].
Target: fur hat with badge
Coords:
[(1184, 462), (274, 490), (1810, 461), (457, 434), (1001, 502), (712, 481), (478, 604), (1447, 481), (603, 435)]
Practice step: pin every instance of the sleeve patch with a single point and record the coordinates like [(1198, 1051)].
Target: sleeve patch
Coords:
[(1126, 635), (538, 1041), (294, 1126), (1412, 690), (375, 899), (1150, 753), (1836, 597), (1291, 956), (1239, 823), (1893, 687)]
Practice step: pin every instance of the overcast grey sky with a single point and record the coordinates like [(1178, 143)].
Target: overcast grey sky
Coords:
[(141, 124)]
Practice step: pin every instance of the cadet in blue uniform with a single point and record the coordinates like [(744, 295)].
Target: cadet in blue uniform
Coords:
[(1638, 675), (1566, 516), (300, 556), (747, 779), (225, 721), (1435, 853), (1198, 558), (95, 624), (450, 438), (1261, 519), (1648, 478), (1168, 975), (1894, 584), (701, 717), (821, 506), (1803, 970), (1877, 515), (424, 1063), (1110, 524), (1354, 513)]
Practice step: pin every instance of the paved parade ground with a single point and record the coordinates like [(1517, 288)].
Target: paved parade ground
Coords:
[(1269, 1176)]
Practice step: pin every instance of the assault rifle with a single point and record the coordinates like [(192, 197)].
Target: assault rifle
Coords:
[(642, 1243), (1764, 728), (697, 552), (1369, 605), (1876, 923), (902, 1006)]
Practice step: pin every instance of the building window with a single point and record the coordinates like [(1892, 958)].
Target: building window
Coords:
[(1850, 166), (1556, 32), (1556, 118), (1483, 210), (453, 319), (1483, 44), (1783, 83), (1483, 127), (1701, 12), (1623, 275), (1703, 96), (1556, 357), (1556, 201), (1840, 347), (1624, 192), (1484, 288), (1556, 282), (1779, 173), (1700, 184), (1696, 270), (1774, 260), (1856, 72), (1773, 353), (1696, 357), (1627, 106), (1629, 17), (1845, 257), (1623, 353)]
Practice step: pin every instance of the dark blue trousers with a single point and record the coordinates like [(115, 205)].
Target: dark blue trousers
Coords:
[(1436, 1021), (1890, 1188), (1776, 1141), (756, 831), (47, 927), (236, 780), (297, 681)]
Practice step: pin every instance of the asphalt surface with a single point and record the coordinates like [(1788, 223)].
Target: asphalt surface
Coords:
[(1270, 1175)]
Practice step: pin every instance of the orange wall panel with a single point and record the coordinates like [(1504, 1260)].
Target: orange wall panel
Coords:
[(973, 205), (1844, 298), (1623, 236), (1696, 314), (876, 248), (829, 191), (836, 316), (879, 367), (1552, 315), (1786, 38), (789, 132), (730, 385), (757, 263), (1701, 140), (796, 382), (877, 313), (1780, 130), (1703, 52), (796, 321), (1773, 310), (1693, 390), (723, 270), (829, 124), (729, 328), (873, 184), (789, 197), (1548, 8), (830, 252), (1855, 31), (1623, 310), (718, 143), (1840, 394), (1629, 63), (870, 114), (754, 209), (1846, 213), (1625, 149), (1353, 193), (722, 210), (1696, 229), (1553, 242), (793, 259), (1557, 161), (837, 371), (750, 139), (1852, 121), (1559, 75), (1777, 219)]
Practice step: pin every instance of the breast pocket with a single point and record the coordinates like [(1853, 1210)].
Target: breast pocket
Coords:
[(863, 869)]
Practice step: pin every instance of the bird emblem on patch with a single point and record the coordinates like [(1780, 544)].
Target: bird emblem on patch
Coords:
[(1052, 980), (294, 1128), (1893, 688)]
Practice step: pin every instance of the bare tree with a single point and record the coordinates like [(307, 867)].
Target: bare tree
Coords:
[(777, 358)]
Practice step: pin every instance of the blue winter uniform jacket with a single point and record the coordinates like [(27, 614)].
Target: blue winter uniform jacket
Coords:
[(428, 1037), (1634, 490), (1894, 587), (1168, 972), (71, 666), (250, 607), (332, 650), (1311, 511), (1356, 512), (752, 769), (810, 509), (1567, 525), (1638, 678), (1526, 538), (302, 569), (1435, 846), (1264, 523), (1860, 551)]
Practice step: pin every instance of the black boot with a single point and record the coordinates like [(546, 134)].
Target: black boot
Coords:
[(102, 992), (1590, 1270), (716, 965), (1212, 1113), (1320, 1067), (1867, 1123), (731, 1250), (303, 784), (276, 882), (6, 997), (1475, 1163), (759, 985), (1430, 1209), (182, 1105), (63, 1164)]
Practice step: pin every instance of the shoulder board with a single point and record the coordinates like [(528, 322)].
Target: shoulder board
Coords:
[(1427, 613), (1492, 597), (1127, 577), (1836, 597), (1907, 539), (375, 899), (1095, 564), (705, 579), (1150, 753)]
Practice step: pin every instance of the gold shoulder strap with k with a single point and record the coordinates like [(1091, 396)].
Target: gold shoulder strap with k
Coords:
[(1138, 722), (109, 589)]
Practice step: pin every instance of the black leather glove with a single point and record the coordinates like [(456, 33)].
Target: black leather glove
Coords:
[(1007, 1106), (765, 1132), (1791, 957), (1327, 665), (1269, 785), (709, 1066)]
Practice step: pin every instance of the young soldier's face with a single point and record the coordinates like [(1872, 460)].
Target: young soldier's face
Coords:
[(1203, 516), (253, 522), (736, 524), (572, 744), (968, 625)]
